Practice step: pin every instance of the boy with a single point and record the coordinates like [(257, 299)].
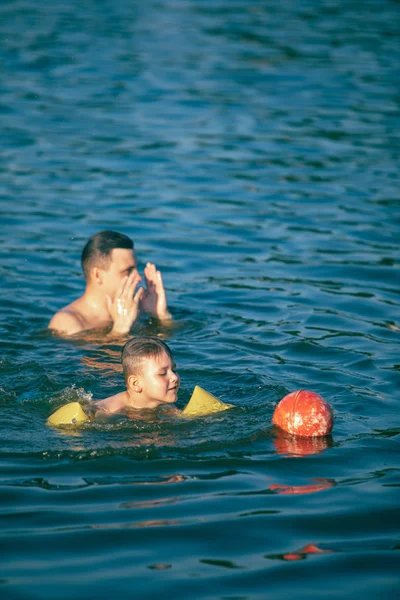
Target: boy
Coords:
[(151, 381), (111, 296), (150, 377)]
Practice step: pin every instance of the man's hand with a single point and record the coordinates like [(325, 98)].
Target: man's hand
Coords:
[(124, 308), (154, 300)]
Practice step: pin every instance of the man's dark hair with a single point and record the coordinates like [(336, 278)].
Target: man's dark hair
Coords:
[(97, 251), (137, 349)]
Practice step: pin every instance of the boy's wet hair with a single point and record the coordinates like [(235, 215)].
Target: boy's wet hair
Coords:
[(139, 348), (97, 251)]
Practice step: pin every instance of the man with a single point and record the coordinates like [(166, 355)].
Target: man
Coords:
[(110, 268)]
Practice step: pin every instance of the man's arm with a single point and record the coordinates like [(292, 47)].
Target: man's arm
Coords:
[(154, 300), (124, 308)]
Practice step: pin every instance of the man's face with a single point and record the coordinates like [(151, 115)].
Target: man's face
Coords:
[(123, 263), (159, 380)]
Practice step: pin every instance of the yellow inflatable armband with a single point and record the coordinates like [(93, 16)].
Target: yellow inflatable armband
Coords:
[(202, 403), (69, 414)]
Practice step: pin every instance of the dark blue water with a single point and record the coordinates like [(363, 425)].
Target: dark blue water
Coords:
[(251, 150)]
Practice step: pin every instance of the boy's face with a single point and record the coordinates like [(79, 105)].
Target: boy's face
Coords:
[(159, 381)]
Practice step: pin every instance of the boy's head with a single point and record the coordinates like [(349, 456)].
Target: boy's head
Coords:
[(107, 258), (138, 349), (150, 371)]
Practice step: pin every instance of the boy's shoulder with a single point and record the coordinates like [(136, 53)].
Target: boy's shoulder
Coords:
[(113, 404)]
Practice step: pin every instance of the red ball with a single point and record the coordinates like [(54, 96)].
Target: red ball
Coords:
[(304, 413)]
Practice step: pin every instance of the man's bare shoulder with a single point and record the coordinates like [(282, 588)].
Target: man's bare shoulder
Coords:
[(67, 321)]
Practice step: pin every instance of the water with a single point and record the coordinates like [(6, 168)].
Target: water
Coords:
[(251, 150)]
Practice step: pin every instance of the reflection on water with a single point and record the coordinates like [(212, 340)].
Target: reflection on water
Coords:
[(302, 553), (151, 503), (158, 523), (300, 446), (105, 358), (310, 488), (137, 524), (170, 479)]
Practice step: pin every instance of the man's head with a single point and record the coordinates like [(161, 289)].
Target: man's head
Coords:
[(98, 249), (107, 257), (150, 371)]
